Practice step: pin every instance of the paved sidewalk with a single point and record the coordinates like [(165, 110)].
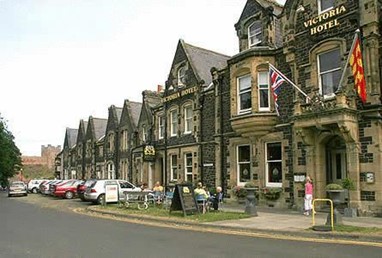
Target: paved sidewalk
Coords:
[(288, 220)]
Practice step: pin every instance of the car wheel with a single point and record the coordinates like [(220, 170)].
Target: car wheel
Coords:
[(25, 194), (34, 190), (9, 195), (68, 195), (101, 199)]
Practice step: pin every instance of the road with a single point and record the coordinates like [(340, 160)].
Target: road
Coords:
[(31, 230)]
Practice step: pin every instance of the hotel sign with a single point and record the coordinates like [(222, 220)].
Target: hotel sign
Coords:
[(149, 153), (325, 20), (180, 94)]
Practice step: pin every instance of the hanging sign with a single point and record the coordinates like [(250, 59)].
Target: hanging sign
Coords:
[(149, 153)]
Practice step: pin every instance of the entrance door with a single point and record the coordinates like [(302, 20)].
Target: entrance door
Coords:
[(336, 160)]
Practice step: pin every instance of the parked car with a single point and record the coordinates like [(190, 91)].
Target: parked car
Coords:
[(81, 188), (67, 190), (33, 185), (17, 188), (44, 187), (96, 191)]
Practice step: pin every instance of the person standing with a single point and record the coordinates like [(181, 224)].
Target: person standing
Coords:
[(308, 196)]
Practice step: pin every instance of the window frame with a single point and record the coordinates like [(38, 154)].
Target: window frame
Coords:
[(267, 162), (187, 119), (181, 75), (319, 73), (173, 122), (257, 31), (267, 89), (187, 173), (160, 127), (144, 135), (245, 91), (238, 163), (173, 167), (319, 5)]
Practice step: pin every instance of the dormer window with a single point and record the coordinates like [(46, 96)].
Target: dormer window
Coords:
[(255, 33), (325, 5), (182, 76)]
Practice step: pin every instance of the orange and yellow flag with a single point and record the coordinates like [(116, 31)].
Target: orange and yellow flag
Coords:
[(357, 69)]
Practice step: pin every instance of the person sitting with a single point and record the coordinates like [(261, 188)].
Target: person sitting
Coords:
[(158, 192), (200, 191), (217, 198), (201, 197)]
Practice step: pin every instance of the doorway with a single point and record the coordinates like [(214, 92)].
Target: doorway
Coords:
[(336, 160)]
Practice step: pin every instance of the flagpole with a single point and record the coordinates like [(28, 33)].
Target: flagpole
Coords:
[(285, 78), (347, 60)]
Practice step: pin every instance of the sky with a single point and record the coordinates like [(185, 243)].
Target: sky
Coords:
[(66, 60)]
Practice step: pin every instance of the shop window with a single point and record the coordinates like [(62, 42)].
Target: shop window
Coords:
[(187, 119), (245, 94), (188, 167), (325, 5), (263, 86), (160, 127), (329, 70), (174, 167), (273, 168), (244, 163), (174, 122), (255, 33)]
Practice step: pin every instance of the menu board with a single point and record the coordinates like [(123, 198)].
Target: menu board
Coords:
[(183, 199)]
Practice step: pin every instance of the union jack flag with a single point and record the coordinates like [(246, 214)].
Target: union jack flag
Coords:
[(276, 81)]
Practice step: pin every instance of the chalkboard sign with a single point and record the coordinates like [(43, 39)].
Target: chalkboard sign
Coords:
[(183, 199)]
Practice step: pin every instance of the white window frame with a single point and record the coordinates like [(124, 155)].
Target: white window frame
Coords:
[(255, 38), (160, 127), (173, 167), (267, 162), (143, 133), (181, 75), (174, 122), (326, 72), (238, 163), (188, 119), (263, 86), (244, 91), (187, 172), (319, 4)]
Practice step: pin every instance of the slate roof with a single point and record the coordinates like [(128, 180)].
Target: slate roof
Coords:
[(71, 135), (277, 8), (202, 60), (99, 127), (135, 108)]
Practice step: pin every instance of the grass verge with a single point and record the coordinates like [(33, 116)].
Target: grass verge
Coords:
[(178, 215)]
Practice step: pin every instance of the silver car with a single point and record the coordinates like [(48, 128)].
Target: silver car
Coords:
[(17, 188)]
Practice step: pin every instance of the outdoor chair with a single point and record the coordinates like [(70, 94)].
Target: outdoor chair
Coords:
[(202, 203)]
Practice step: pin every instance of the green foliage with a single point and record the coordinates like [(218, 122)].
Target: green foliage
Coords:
[(10, 155), (271, 193), (37, 171), (348, 184), (334, 186), (239, 191)]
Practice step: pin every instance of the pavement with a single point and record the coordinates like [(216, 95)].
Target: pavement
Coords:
[(274, 221)]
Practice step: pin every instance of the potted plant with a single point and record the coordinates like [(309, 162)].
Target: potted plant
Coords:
[(335, 190), (271, 193), (348, 185), (240, 193)]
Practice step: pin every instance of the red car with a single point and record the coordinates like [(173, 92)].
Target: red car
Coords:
[(67, 190)]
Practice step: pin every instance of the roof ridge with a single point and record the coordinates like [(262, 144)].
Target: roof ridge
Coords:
[(205, 49)]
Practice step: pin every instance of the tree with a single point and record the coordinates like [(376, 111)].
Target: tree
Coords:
[(10, 155)]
